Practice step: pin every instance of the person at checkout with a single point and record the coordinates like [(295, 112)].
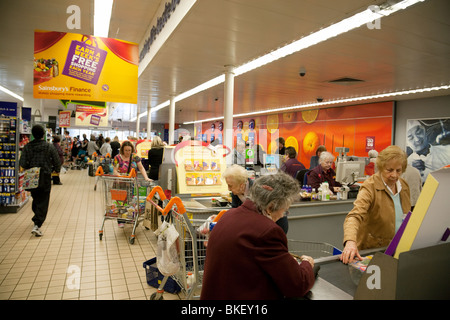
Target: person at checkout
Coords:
[(247, 257), (324, 172), (379, 208), (239, 185)]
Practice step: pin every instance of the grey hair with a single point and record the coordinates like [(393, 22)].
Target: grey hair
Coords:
[(325, 156), (237, 173), (274, 191)]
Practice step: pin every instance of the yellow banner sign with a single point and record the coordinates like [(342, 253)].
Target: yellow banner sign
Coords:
[(79, 67)]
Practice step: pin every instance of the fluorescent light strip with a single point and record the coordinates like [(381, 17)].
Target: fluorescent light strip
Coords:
[(330, 102), (102, 17), (12, 94), (202, 87), (334, 30), (209, 84)]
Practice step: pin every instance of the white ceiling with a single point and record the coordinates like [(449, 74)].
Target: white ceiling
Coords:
[(411, 50)]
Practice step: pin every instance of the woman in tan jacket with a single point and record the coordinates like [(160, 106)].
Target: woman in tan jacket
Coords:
[(382, 202)]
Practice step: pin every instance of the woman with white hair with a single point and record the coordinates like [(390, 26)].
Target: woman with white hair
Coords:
[(324, 172), (240, 184), (247, 256), (371, 167)]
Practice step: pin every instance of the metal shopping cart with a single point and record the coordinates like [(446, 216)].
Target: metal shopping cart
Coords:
[(121, 200), (191, 246), (103, 162), (315, 250)]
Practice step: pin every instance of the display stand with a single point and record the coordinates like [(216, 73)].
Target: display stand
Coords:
[(12, 197), (199, 168), (418, 268)]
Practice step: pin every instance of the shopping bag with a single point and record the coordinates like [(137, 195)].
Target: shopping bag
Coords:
[(167, 258), (31, 178), (85, 60)]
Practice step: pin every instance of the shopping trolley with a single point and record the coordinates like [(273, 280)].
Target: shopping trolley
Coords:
[(191, 246), (315, 250), (121, 200), (103, 162)]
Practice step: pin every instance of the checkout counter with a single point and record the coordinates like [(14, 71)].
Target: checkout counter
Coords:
[(415, 274)]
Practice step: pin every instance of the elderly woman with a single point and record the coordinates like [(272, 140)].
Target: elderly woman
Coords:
[(314, 162), (324, 172), (382, 201), (247, 255), (239, 184)]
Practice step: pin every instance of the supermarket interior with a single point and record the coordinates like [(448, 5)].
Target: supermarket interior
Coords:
[(225, 150)]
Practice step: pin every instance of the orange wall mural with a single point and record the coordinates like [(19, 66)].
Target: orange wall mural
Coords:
[(359, 128)]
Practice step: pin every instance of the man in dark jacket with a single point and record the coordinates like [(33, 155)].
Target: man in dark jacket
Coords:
[(39, 153), (292, 165)]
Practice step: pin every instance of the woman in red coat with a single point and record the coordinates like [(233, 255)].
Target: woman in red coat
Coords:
[(247, 255)]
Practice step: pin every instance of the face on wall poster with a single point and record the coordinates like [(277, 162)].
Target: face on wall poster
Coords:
[(69, 66), (428, 144)]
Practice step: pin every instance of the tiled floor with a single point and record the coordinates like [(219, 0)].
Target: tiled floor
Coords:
[(48, 267)]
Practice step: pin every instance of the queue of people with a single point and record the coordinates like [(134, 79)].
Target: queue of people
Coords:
[(247, 254), (382, 202)]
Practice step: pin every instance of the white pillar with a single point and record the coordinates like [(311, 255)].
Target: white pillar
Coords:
[(172, 120), (41, 109), (149, 120), (228, 110), (137, 121)]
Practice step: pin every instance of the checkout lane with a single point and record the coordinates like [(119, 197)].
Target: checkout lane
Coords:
[(316, 221)]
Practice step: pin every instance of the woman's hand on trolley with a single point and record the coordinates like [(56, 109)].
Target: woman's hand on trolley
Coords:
[(309, 259), (350, 252)]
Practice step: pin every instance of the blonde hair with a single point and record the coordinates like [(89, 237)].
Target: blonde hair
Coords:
[(391, 153), (237, 173), (157, 142)]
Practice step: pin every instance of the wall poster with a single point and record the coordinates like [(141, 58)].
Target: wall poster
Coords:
[(428, 144)]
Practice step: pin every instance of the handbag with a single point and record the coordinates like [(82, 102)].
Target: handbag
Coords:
[(31, 178)]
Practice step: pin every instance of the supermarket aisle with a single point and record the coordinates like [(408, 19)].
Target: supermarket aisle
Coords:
[(46, 268)]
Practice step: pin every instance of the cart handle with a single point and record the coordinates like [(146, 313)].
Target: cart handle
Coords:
[(219, 215), (100, 172), (178, 202), (174, 200), (160, 192)]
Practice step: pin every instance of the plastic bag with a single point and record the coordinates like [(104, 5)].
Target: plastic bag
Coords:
[(207, 226), (167, 259)]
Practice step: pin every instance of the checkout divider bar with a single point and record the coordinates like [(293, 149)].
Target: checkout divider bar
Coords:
[(307, 216)]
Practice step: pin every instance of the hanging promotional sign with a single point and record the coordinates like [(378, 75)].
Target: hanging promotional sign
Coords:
[(64, 119), (69, 66), (91, 116)]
